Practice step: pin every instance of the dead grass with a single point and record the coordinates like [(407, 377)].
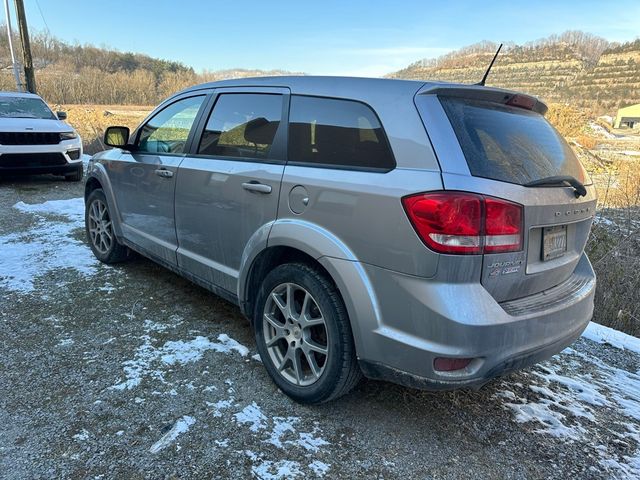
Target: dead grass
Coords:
[(614, 243), (91, 121)]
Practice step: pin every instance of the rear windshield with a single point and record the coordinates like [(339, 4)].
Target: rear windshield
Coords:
[(24, 107), (509, 144)]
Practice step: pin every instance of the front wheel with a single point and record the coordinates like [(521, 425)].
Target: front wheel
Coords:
[(303, 335), (99, 230)]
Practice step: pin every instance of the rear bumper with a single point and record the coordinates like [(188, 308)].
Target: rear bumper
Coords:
[(418, 320)]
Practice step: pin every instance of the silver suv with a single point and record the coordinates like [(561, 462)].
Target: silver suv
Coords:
[(425, 233)]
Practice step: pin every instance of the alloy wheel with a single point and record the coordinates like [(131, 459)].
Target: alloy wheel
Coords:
[(100, 227), (295, 334)]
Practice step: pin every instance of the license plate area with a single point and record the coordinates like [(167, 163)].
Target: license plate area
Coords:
[(554, 242)]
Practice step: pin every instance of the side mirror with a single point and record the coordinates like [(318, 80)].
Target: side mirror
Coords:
[(116, 136), (61, 115)]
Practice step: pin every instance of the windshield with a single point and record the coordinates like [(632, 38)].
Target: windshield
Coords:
[(509, 144), (24, 107)]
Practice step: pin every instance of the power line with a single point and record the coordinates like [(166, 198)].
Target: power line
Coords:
[(46, 26)]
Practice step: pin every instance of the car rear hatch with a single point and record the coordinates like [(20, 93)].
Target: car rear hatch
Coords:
[(497, 144)]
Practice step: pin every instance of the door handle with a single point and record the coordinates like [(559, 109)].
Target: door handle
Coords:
[(256, 187), (164, 173)]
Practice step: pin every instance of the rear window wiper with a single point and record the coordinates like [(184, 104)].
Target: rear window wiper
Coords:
[(577, 185)]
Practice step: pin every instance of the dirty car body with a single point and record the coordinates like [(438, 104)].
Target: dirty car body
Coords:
[(416, 201)]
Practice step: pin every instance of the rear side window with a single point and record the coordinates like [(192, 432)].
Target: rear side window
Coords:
[(330, 132), (509, 144), (242, 125)]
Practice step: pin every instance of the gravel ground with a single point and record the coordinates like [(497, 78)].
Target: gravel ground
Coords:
[(133, 372)]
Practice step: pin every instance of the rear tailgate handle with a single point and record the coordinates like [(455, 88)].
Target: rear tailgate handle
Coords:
[(256, 187), (164, 173)]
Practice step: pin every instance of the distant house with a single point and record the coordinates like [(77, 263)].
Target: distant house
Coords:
[(628, 117)]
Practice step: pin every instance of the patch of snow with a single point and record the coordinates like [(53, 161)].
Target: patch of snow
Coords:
[(569, 406), (222, 443), (184, 352), (178, 352), (283, 433), (320, 468), (119, 433), (65, 342), (602, 334), (253, 415), (282, 425), (47, 247), (604, 221), (542, 413), (180, 427), (151, 326), (219, 406), (600, 130), (256, 357), (81, 436), (310, 442), (283, 469), (107, 287)]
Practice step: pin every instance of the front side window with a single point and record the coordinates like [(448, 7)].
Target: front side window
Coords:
[(24, 107), (168, 130), (332, 132), (242, 125)]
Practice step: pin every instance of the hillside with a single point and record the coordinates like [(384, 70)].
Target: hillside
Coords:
[(79, 74), (575, 67)]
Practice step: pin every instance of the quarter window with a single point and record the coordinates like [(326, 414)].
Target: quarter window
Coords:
[(332, 132), (242, 125), (168, 130)]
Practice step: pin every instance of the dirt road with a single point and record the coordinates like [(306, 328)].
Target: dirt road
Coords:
[(132, 372)]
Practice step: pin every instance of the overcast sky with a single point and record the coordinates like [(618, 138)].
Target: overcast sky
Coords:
[(367, 38)]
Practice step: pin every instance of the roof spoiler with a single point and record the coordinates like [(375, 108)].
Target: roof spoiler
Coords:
[(487, 94)]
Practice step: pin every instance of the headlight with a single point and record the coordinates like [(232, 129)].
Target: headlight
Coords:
[(68, 136)]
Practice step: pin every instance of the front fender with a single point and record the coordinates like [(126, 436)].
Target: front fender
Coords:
[(98, 171)]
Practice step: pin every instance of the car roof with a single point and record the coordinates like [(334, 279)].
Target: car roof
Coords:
[(19, 94), (345, 87), (368, 90)]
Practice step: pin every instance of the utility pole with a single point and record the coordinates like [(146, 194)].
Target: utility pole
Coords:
[(26, 47), (16, 71)]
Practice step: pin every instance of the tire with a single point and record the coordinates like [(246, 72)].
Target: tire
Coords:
[(99, 230), (284, 338), (75, 176)]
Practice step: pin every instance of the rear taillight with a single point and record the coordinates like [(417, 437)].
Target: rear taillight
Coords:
[(465, 223)]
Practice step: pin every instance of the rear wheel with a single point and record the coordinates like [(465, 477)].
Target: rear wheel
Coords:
[(99, 229), (75, 176), (303, 335)]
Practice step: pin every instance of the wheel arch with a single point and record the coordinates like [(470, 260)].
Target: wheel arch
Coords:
[(302, 242), (98, 178)]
